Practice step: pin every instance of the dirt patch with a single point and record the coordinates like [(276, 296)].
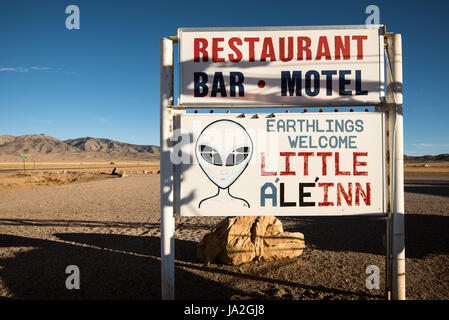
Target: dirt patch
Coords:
[(21, 181), (425, 168), (110, 229)]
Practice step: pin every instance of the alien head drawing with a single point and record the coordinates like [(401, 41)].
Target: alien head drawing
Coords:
[(223, 151)]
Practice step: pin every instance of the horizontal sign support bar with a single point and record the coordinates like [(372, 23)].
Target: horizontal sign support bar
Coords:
[(243, 106), (285, 28)]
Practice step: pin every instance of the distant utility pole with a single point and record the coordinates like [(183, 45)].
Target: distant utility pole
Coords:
[(23, 158)]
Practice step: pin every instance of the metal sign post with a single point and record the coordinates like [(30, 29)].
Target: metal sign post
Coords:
[(396, 267), (166, 174)]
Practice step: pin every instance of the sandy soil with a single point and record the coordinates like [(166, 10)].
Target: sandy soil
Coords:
[(31, 166), (37, 178), (109, 228), (432, 168), (20, 181)]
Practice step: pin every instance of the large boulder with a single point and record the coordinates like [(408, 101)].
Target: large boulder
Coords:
[(245, 239)]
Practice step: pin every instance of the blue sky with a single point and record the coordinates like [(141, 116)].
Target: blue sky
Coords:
[(103, 79)]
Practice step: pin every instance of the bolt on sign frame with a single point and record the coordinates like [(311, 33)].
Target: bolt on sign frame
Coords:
[(210, 53)]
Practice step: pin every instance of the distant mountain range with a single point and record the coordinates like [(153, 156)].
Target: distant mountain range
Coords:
[(439, 158), (42, 147)]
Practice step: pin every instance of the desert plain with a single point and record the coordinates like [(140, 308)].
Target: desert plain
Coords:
[(77, 213)]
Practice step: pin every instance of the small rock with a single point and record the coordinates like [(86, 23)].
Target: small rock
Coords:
[(244, 239)]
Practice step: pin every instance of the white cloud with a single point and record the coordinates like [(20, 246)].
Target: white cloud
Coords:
[(41, 68), (430, 145), (102, 120), (38, 68), (14, 69)]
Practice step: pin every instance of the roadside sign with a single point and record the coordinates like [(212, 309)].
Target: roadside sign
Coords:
[(23, 157), (319, 66), (237, 165), (303, 164)]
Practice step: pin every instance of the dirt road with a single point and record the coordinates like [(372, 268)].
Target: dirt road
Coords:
[(110, 230)]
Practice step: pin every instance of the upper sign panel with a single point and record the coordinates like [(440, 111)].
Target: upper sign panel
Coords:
[(316, 66)]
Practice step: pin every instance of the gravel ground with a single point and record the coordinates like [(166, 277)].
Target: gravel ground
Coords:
[(110, 230)]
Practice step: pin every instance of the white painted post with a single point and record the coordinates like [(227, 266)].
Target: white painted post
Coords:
[(166, 174), (390, 111), (398, 237)]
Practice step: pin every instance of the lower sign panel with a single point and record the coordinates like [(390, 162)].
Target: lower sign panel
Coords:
[(309, 164)]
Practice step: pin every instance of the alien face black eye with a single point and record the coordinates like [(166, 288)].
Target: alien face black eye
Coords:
[(210, 155), (237, 156)]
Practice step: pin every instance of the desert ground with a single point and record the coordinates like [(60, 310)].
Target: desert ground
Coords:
[(109, 227)]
